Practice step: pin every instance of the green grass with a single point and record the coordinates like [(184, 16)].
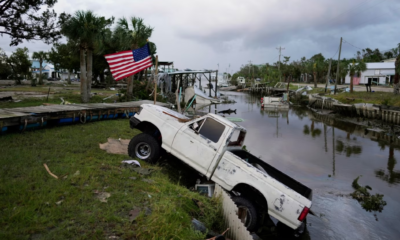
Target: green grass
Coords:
[(28, 194), (386, 98)]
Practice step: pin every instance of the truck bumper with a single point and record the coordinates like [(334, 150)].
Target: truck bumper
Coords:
[(133, 122)]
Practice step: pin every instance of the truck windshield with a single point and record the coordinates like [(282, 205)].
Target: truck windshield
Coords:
[(237, 138)]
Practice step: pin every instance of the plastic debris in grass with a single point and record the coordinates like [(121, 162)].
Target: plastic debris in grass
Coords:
[(102, 196), (137, 168), (132, 162)]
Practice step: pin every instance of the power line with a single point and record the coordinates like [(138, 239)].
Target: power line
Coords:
[(351, 44), (335, 53)]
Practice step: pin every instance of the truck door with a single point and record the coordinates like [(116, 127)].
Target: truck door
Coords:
[(197, 143)]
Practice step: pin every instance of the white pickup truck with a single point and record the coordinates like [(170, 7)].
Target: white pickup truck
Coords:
[(212, 145)]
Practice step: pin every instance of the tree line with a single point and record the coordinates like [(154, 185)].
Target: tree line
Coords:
[(89, 38), (315, 69)]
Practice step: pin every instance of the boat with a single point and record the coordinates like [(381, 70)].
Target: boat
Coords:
[(201, 97), (274, 102)]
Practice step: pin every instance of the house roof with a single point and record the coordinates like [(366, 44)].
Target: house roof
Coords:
[(36, 64), (380, 65)]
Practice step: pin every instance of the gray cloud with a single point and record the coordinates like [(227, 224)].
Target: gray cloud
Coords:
[(200, 34)]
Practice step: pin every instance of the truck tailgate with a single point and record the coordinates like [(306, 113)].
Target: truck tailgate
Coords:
[(275, 173)]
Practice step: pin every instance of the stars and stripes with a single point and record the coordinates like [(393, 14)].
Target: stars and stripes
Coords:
[(126, 63)]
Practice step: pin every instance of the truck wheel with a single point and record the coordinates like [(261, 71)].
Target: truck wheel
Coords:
[(144, 147), (247, 213)]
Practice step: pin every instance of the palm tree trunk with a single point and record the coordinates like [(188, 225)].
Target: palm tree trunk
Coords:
[(84, 96), (130, 87), (351, 84), (315, 80), (89, 57)]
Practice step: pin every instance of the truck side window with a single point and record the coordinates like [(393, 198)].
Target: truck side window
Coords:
[(212, 129)]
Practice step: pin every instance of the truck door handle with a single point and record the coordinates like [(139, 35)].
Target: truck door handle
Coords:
[(191, 141)]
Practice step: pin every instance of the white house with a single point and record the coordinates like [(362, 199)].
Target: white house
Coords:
[(49, 71), (241, 80), (379, 73)]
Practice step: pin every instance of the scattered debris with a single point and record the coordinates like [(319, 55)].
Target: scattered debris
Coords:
[(368, 202), (112, 89), (228, 111), (133, 214), (77, 173), (133, 178), (59, 202), (48, 170), (102, 196), (131, 161), (147, 180), (5, 99), (115, 146), (143, 171), (235, 119), (64, 102)]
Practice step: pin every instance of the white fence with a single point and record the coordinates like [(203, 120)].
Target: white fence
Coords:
[(237, 230)]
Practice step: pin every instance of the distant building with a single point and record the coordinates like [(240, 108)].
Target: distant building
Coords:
[(381, 73), (47, 68), (241, 80), (49, 71), (389, 60)]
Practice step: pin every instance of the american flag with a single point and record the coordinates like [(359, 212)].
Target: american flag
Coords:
[(126, 63)]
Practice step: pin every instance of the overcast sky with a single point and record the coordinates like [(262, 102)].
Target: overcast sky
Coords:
[(199, 34)]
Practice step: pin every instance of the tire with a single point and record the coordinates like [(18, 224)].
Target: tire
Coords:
[(144, 147), (251, 219)]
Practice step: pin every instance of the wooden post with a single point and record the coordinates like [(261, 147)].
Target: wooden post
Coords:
[(209, 82), (155, 81), (338, 63), (327, 76), (216, 83)]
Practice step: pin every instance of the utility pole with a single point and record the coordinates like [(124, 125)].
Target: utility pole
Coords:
[(337, 72), (327, 76), (279, 66), (249, 68)]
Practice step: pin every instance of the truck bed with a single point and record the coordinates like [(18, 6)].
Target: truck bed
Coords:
[(275, 173)]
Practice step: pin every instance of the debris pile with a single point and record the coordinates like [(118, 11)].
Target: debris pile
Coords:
[(368, 202)]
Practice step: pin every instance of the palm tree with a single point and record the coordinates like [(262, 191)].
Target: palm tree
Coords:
[(86, 29), (388, 55), (355, 69), (41, 57), (343, 70), (134, 36)]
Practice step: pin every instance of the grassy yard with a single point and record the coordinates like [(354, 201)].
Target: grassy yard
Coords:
[(386, 98), (34, 205)]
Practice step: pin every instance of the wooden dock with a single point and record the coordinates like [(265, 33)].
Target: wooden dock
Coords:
[(20, 119)]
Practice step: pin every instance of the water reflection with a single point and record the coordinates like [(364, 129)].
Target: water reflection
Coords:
[(391, 176), (326, 154), (315, 132), (342, 147)]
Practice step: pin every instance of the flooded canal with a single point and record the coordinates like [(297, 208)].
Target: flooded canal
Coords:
[(327, 159)]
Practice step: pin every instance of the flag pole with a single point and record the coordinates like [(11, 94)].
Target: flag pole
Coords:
[(155, 81)]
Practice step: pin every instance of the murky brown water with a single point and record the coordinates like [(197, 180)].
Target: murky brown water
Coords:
[(327, 159)]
